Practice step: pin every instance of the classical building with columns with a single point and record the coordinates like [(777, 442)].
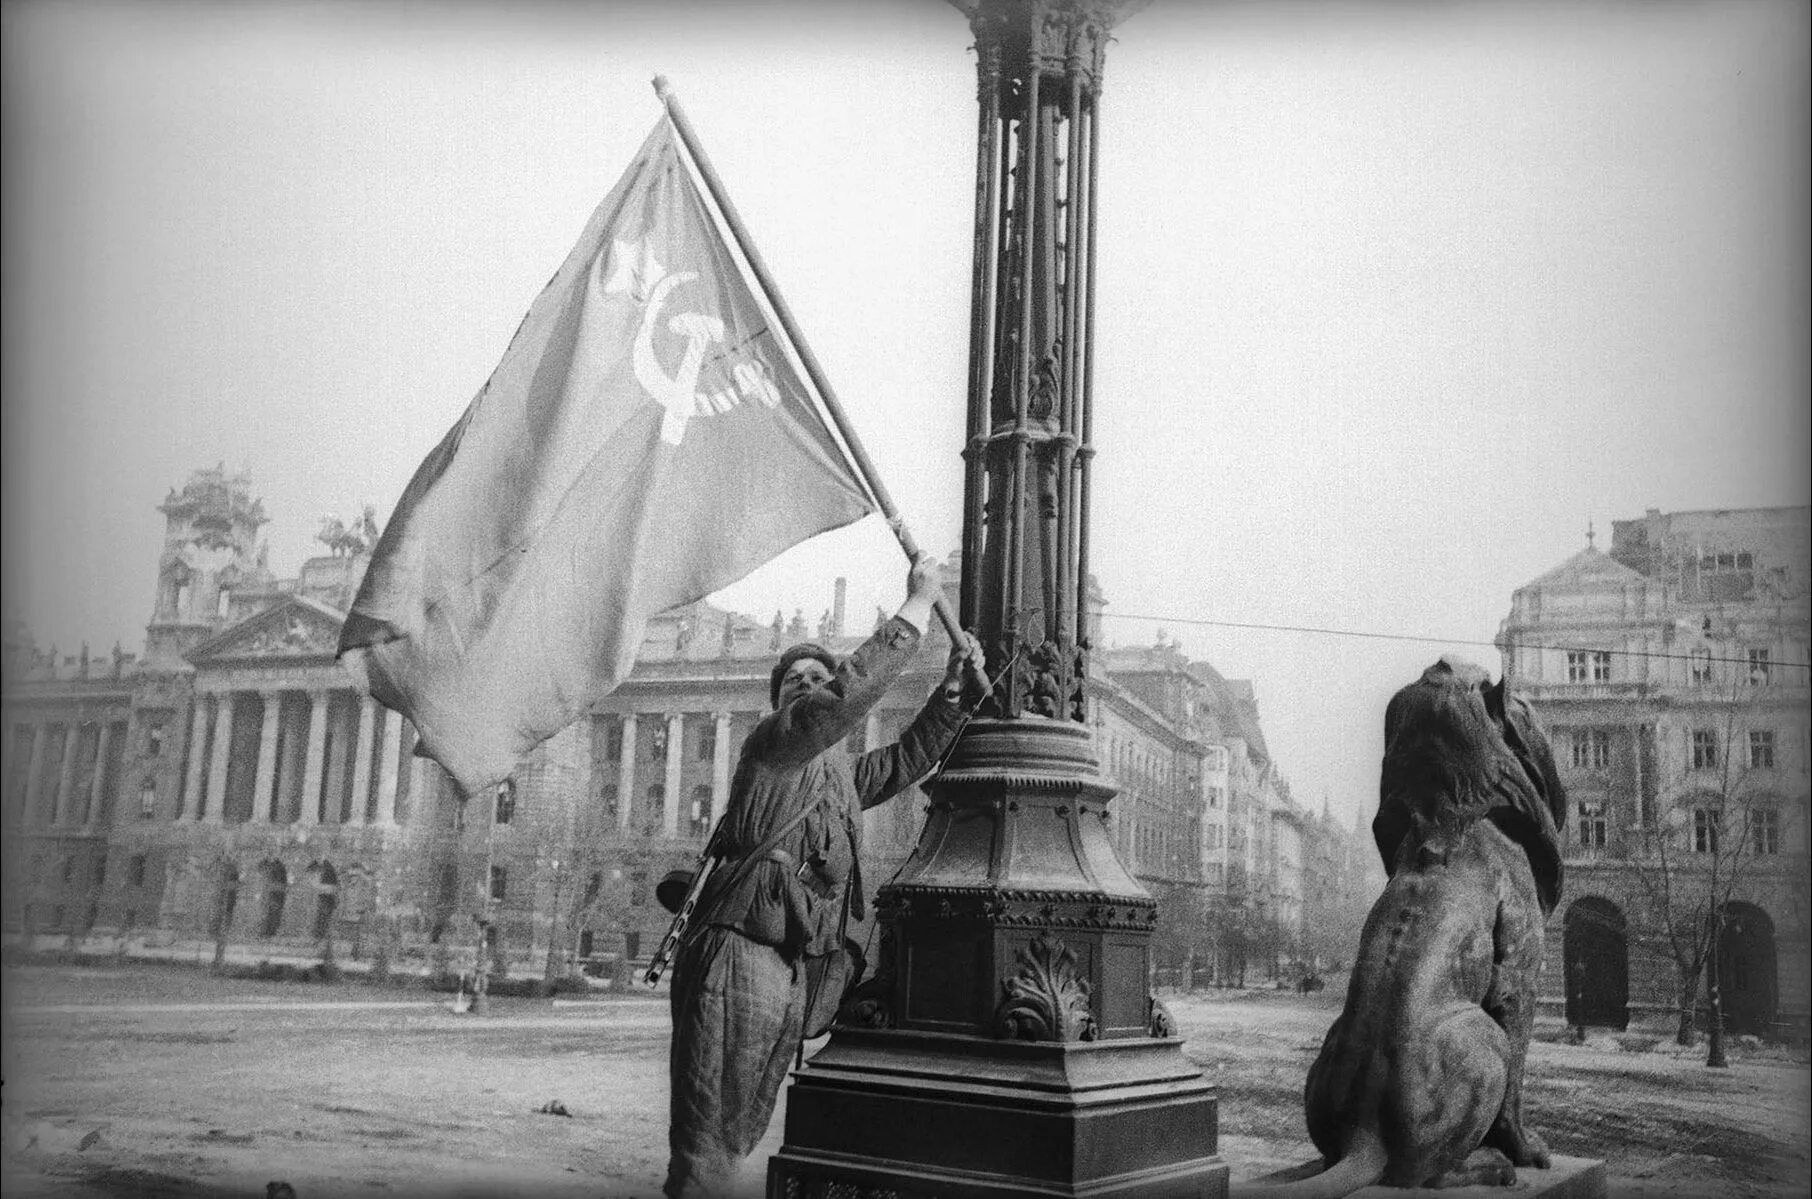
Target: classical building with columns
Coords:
[(234, 782)]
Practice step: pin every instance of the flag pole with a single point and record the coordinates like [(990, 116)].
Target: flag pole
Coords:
[(865, 467)]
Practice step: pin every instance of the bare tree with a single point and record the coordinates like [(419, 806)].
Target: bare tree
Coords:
[(1696, 859)]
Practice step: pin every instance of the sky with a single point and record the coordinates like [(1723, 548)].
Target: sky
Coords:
[(1394, 301)]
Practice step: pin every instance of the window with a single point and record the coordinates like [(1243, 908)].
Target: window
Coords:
[(506, 801), (1701, 664), (701, 810), (1704, 749), (154, 740), (608, 801), (1761, 749), (707, 742), (1217, 796), (1591, 749), (147, 800), (224, 604), (500, 883), (657, 742), (135, 870), (638, 889), (1705, 823), (1758, 667), (613, 741), (1591, 828), (1725, 562), (69, 869), (1765, 825), (1588, 666)]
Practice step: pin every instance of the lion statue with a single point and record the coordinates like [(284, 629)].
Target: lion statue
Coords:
[(1419, 1082)]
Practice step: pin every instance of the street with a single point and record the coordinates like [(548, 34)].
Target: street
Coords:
[(200, 1087)]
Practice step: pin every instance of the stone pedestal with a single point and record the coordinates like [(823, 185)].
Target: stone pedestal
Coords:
[(914, 1115)]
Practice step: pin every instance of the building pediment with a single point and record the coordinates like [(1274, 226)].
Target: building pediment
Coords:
[(1588, 568), (297, 628)]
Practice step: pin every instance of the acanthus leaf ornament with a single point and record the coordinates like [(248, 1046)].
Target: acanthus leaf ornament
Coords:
[(1047, 999)]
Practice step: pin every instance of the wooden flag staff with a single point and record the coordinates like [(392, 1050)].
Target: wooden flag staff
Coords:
[(865, 467)]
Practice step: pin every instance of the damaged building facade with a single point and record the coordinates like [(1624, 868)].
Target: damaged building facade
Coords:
[(1671, 673), (233, 784)]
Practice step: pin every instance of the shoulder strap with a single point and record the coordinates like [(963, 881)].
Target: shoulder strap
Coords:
[(749, 861)]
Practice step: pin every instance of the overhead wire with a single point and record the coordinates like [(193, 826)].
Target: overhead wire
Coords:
[(1418, 637)]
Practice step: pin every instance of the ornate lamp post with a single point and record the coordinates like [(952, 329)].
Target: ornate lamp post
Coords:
[(1008, 1045)]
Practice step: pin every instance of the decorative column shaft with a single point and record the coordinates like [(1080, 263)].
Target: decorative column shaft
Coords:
[(361, 762), (97, 789), (215, 811), (310, 814), (391, 749), (670, 804), (34, 775), (264, 781), (72, 738), (626, 774), (720, 764), (189, 807)]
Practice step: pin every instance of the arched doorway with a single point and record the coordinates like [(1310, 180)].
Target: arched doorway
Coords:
[(1746, 969), (327, 901), (276, 891), (1595, 949)]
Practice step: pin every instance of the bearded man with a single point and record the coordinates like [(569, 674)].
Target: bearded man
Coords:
[(739, 990)]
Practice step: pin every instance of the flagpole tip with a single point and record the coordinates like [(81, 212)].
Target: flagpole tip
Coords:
[(662, 88)]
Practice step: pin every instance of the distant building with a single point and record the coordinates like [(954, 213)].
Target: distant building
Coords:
[(1207, 822), (234, 783), (1671, 674)]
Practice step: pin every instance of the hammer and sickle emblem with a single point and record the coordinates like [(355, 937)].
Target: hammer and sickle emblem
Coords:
[(678, 392)]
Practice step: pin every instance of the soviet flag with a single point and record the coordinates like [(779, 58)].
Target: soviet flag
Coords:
[(645, 440)]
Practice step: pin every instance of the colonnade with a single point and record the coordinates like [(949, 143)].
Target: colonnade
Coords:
[(87, 747), (204, 791)]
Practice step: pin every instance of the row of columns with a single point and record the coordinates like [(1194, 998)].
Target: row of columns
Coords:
[(69, 759), (264, 798), (672, 801)]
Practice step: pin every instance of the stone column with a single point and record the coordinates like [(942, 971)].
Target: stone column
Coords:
[(387, 769), (626, 774), (720, 765), (72, 734), (311, 769), (189, 808), (361, 762), (215, 812), (97, 790), (34, 774), (264, 803), (670, 806), (424, 797)]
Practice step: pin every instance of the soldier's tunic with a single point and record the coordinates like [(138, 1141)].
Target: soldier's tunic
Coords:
[(738, 995)]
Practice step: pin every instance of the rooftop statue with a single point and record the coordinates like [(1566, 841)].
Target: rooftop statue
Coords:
[(1419, 1082)]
